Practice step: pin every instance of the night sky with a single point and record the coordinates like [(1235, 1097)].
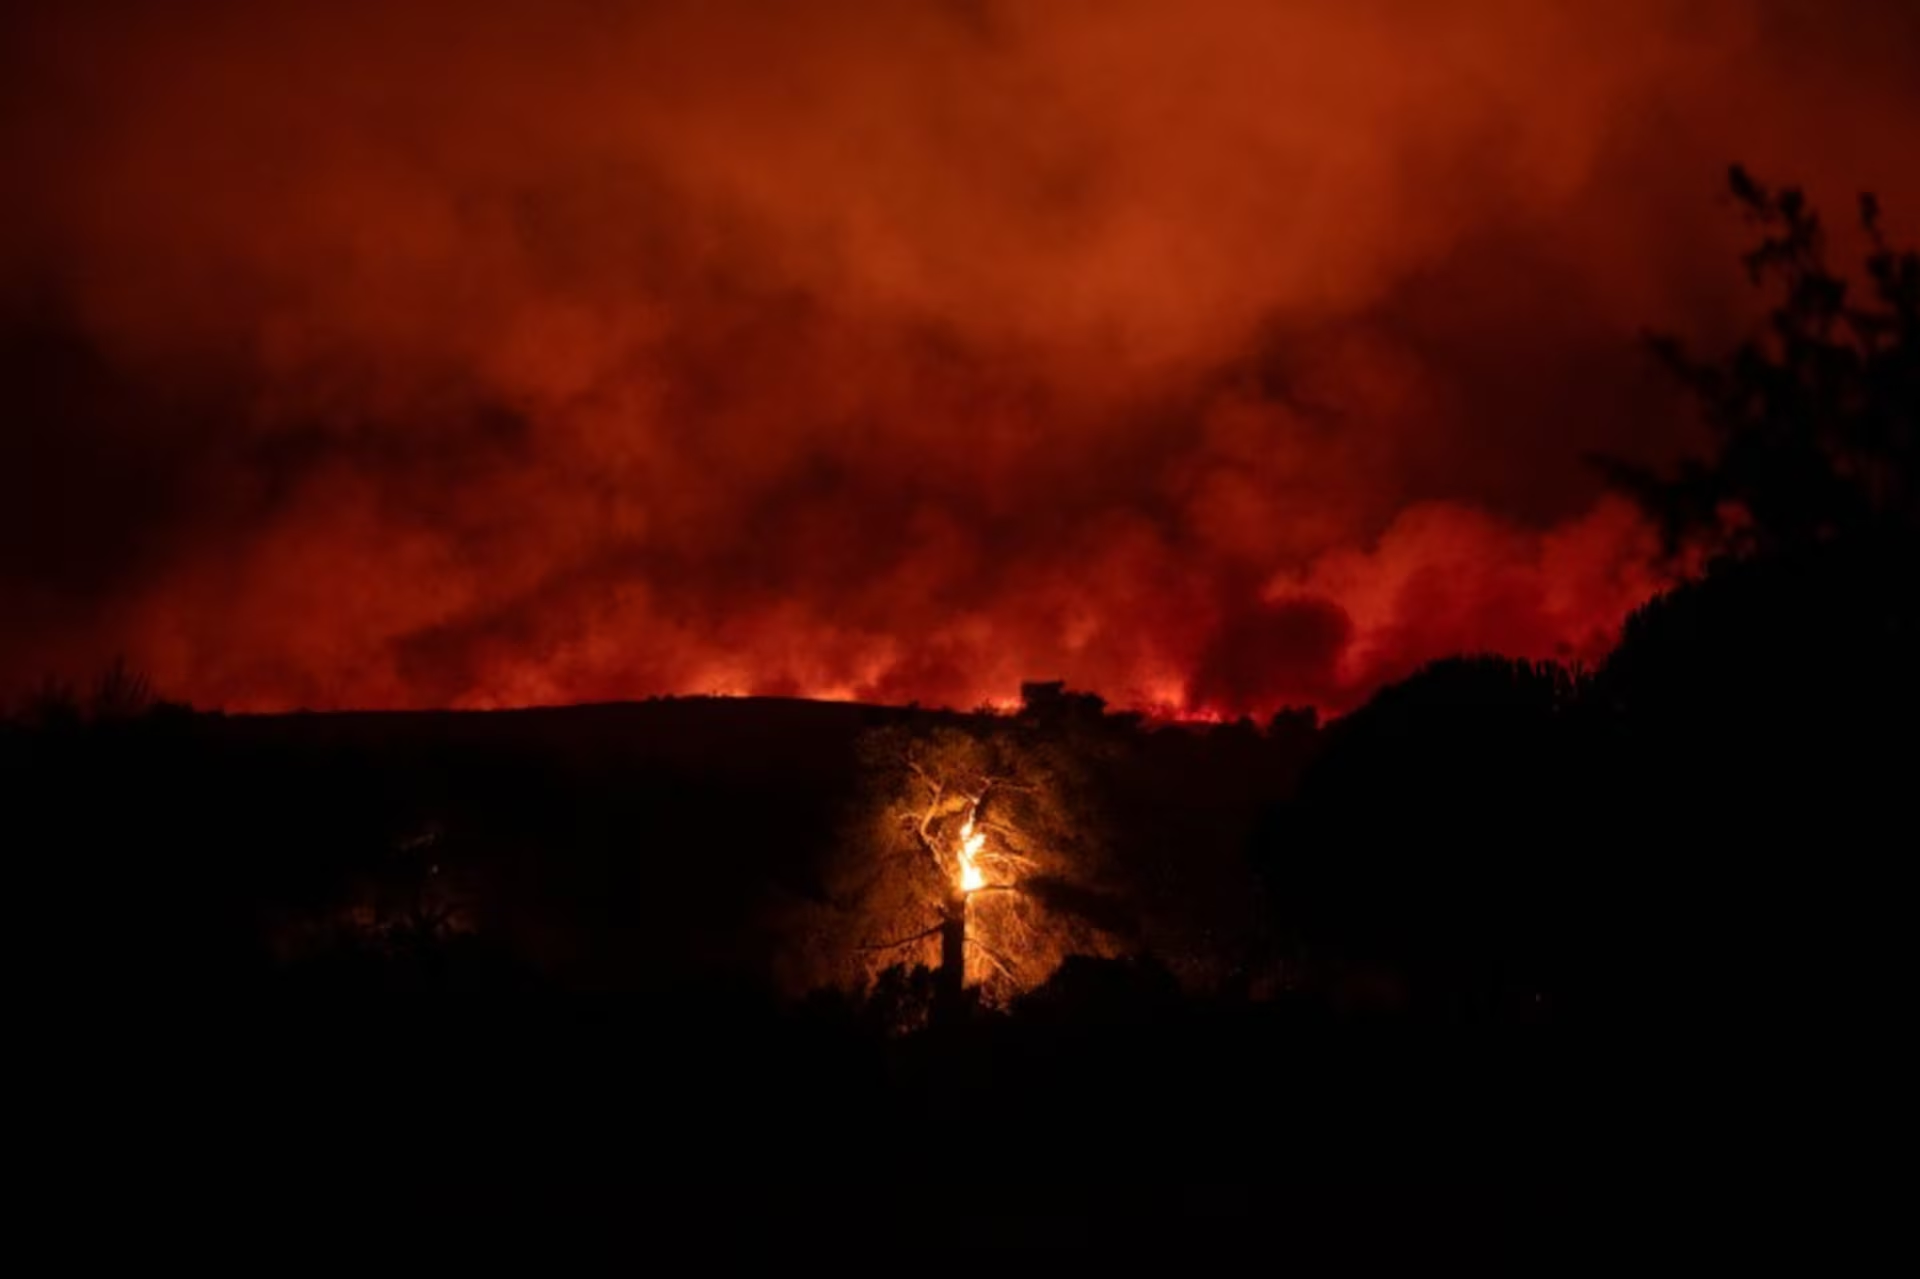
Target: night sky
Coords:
[(1212, 355)]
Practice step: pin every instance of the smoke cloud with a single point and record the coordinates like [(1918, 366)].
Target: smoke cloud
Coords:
[(1213, 356)]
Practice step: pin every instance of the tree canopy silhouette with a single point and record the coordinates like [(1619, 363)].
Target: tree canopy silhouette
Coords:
[(1814, 418)]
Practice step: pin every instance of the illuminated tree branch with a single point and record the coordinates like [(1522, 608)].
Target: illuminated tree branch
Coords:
[(994, 957), (937, 786), (970, 817), (922, 829), (921, 823), (922, 935), (1018, 861)]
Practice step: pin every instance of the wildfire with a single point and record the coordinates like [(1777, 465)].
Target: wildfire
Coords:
[(970, 843)]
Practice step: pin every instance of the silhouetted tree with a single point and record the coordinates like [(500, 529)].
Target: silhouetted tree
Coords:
[(1760, 716), (1086, 990), (1814, 419), (1757, 781), (1436, 831)]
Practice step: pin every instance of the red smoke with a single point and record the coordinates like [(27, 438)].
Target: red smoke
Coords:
[(1212, 356)]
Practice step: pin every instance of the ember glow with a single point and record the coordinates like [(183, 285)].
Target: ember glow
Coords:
[(1211, 356)]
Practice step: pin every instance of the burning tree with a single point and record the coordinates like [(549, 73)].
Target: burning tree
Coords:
[(972, 855)]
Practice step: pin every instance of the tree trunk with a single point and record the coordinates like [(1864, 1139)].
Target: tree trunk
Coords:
[(951, 985)]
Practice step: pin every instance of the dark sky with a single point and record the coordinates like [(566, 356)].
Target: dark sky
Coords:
[(1210, 355)]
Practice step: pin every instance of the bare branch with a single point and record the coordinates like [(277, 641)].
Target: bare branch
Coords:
[(925, 832), (906, 941), (938, 787), (994, 957)]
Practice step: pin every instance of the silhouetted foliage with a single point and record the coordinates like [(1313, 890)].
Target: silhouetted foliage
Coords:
[(1293, 720), (1760, 771), (1759, 718), (121, 693), (1429, 832), (1814, 420), (900, 999), (1086, 990)]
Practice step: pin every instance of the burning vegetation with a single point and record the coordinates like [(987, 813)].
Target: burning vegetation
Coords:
[(974, 846)]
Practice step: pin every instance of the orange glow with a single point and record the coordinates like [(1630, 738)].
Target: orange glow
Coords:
[(1212, 356), (971, 842)]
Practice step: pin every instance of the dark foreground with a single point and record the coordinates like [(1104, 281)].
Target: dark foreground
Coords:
[(637, 1135)]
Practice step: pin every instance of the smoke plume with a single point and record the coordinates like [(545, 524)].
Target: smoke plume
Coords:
[(1213, 356)]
